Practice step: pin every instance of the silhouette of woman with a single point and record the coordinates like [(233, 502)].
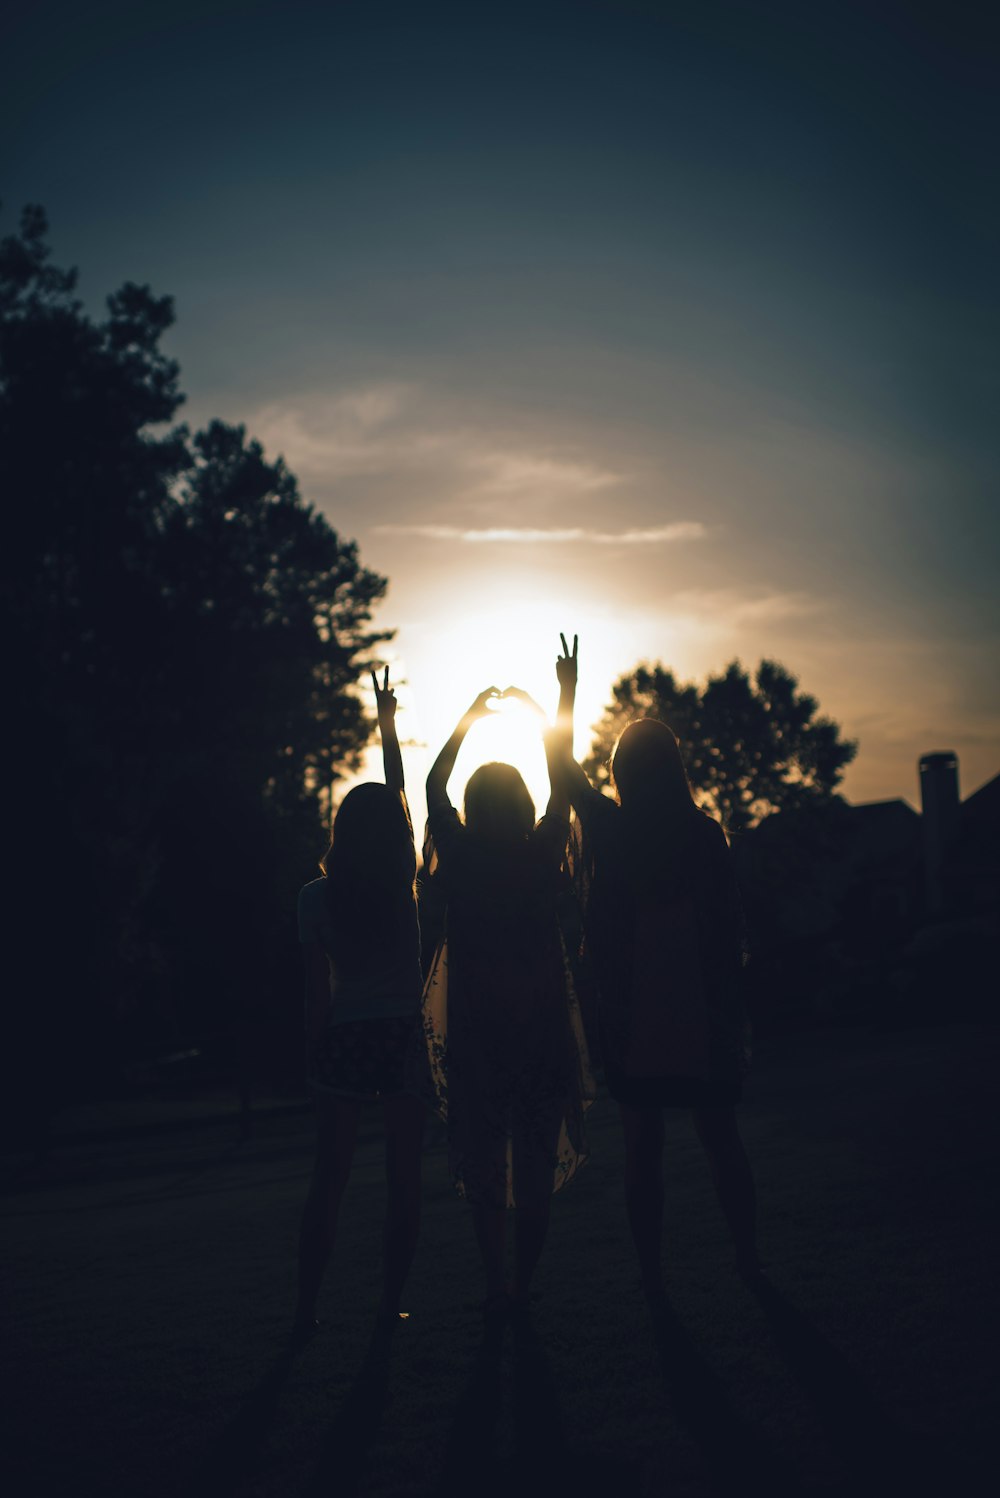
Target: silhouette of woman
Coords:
[(360, 941), (507, 1055), (664, 930)]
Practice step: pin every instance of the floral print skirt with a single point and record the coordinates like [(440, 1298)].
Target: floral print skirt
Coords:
[(513, 1096)]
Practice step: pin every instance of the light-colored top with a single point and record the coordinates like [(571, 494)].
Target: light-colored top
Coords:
[(390, 985)]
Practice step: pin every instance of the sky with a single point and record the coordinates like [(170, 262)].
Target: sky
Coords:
[(675, 326)]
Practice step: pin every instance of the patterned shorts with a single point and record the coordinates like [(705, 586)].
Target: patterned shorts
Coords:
[(364, 1058)]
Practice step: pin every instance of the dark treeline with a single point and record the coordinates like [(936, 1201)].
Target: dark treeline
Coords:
[(182, 636), (753, 745)]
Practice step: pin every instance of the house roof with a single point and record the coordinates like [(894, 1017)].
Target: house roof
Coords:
[(983, 806), (881, 828), (895, 810)]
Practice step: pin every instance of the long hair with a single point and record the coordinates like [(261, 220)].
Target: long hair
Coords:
[(498, 805), (370, 870), (502, 887), (654, 793), (647, 769)]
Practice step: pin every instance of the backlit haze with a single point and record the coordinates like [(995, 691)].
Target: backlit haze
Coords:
[(675, 328)]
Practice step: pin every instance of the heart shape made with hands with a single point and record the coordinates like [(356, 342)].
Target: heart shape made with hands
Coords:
[(515, 697)]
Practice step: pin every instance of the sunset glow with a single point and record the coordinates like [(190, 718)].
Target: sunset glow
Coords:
[(689, 354), (511, 640)]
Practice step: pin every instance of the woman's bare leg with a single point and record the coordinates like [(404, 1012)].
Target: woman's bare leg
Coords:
[(531, 1226), (485, 1175), (336, 1135), (644, 1134), (490, 1224), (534, 1145), (404, 1130), (720, 1137)]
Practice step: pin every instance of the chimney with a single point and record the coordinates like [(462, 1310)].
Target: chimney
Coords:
[(939, 823)]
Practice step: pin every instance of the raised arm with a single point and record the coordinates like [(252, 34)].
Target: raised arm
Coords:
[(558, 802), (569, 782), (566, 674), (392, 759), (437, 780), (559, 742), (558, 805)]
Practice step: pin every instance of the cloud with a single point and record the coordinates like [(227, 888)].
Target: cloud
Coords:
[(703, 628), (390, 431), (351, 432), (513, 472), (678, 530), (772, 608)]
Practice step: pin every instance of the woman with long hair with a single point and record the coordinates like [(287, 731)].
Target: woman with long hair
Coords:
[(507, 1055), (665, 935), (361, 945)]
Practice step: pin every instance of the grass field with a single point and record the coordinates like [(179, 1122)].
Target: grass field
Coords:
[(150, 1276)]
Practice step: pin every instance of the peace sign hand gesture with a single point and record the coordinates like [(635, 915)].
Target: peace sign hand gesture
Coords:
[(566, 664), (385, 698)]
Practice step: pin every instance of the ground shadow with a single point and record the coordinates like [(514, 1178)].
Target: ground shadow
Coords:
[(355, 1428), (882, 1457), (469, 1462), (736, 1459), (539, 1433), (234, 1455), (542, 1462), (547, 1462)]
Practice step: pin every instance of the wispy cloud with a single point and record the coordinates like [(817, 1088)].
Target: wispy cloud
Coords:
[(679, 530), (730, 611), (392, 431), (772, 608), (343, 434), (516, 472)]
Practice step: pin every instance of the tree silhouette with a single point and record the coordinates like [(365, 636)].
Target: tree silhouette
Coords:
[(752, 745), (275, 608), (183, 636)]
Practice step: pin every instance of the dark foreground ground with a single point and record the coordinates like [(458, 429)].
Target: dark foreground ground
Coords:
[(149, 1280)]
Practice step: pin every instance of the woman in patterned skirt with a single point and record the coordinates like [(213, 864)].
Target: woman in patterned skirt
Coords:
[(505, 1042)]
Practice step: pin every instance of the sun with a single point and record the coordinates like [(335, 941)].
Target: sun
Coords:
[(502, 632), (504, 636), (512, 733), (511, 640)]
